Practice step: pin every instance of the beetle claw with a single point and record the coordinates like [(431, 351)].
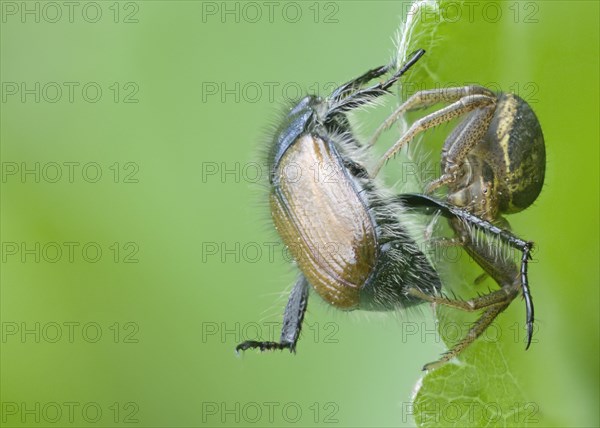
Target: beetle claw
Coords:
[(263, 346)]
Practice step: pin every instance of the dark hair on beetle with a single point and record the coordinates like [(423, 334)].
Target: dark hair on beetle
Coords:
[(328, 118)]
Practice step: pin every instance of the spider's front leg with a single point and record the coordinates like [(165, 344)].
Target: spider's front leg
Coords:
[(461, 141), (463, 100)]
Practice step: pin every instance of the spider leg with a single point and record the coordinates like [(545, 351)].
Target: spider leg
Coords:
[(428, 98), (474, 332), (499, 297), (460, 142), (505, 273), (492, 303), (443, 115)]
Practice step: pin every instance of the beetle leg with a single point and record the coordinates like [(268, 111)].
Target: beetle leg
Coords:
[(443, 242), (428, 98), (343, 101), (292, 321), (503, 270), (428, 203), (443, 115), (355, 84)]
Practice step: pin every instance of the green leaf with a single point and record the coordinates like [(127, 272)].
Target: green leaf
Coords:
[(480, 389)]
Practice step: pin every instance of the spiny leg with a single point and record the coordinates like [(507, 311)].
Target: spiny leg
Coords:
[(458, 241), (474, 332), (499, 297), (292, 321), (428, 98), (428, 203), (505, 273), (446, 114), (343, 100), (460, 142), (487, 254), (493, 303), (355, 84)]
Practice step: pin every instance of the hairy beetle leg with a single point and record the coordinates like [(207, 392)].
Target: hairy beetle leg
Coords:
[(509, 277), (264, 346), (292, 321)]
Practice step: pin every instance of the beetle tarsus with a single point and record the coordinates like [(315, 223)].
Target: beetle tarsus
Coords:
[(292, 322), (526, 292), (263, 346)]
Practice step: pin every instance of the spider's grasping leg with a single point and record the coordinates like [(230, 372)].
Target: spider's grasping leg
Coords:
[(443, 115)]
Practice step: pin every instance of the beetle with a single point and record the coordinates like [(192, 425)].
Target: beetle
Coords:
[(493, 163), (373, 260)]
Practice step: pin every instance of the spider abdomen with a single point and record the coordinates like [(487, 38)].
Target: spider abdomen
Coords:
[(515, 143), (504, 172)]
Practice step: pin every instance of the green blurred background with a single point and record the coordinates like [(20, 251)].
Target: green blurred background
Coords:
[(169, 102)]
